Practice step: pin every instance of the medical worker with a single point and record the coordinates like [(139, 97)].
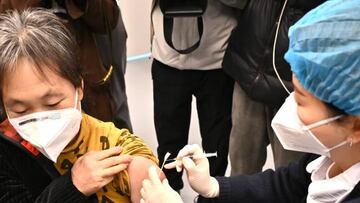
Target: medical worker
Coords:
[(321, 117)]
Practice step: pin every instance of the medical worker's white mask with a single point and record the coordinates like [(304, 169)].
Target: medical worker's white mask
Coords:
[(296, 136), (49, 131)]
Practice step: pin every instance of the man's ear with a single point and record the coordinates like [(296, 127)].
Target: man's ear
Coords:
[(81, 90)]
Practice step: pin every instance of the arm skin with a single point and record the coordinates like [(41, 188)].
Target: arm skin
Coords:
[(138, 171)]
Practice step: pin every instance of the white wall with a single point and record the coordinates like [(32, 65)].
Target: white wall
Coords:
[(136, 16)]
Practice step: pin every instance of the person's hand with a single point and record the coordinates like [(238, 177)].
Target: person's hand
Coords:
[(197, 170), (155, 191), (94, 170)]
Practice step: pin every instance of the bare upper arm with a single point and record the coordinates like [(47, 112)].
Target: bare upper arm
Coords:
[(138, 171)]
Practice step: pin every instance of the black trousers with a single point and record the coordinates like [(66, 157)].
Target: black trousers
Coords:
[(173, 91)]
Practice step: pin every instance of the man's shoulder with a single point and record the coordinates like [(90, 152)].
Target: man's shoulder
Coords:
[(98, 128)]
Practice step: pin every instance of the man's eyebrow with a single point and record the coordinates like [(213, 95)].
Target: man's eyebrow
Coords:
[(51, 93), (14, 102)]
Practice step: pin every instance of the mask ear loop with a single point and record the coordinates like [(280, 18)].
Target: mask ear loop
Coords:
[(77, 100), (351, 142), (322, 122), (339, 145)]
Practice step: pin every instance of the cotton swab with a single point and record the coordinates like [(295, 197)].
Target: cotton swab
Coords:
[(165, 159)]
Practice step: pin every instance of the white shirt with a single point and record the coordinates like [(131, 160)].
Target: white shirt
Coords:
[(335, 189), (218, 21)]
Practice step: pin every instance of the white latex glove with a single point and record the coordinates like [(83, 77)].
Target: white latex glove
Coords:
[(197, 170), (155, 191)]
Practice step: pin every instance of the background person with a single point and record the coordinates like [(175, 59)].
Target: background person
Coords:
[(178, 77), (112, 51), (258, 93)]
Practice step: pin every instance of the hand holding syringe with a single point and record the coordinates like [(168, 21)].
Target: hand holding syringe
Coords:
[(199, 156), (194, 160)]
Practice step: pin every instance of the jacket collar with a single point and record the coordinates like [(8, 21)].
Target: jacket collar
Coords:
[(10, 133)]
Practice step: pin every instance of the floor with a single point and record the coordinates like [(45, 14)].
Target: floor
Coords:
[(139, 92)]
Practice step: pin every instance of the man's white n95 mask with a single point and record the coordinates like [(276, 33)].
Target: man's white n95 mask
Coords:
[(49, 131), (294, 135)]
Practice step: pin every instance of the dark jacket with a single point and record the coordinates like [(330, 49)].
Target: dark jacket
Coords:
[(248, 58), (285, 185), (25, 177), (83, 19)]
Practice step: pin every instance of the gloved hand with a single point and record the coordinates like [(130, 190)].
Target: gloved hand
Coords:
[(197, 170), (155, 191)]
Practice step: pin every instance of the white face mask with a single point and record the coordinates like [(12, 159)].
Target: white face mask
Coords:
[(296, 136), (49, 131)]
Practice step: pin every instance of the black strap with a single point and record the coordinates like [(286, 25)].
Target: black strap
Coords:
[(168, 31)]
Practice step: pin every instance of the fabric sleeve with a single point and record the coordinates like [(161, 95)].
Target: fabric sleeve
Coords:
[(13, 189), (305, 5), (131, 145), (93, 13), (356, 200), (286, 184), (240, 4), (61, 190)]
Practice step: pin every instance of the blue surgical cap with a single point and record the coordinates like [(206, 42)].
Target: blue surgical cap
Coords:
[(324, 53)]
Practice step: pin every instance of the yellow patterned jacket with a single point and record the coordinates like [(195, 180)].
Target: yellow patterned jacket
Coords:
[(96, 135)]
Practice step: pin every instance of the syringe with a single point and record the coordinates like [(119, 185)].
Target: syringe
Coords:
[(192, 157), (207, 155)]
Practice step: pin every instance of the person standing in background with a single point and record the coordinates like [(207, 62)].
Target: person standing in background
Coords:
[(258, 92), (112, 50), (177, 77)]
